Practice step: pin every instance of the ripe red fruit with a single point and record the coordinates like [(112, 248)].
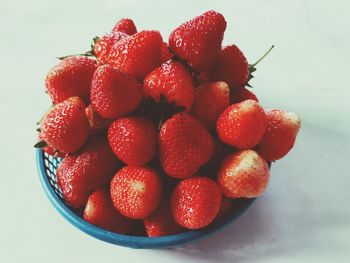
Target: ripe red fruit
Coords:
[(243, 174), (211, 99), (161, 222), (104, 44), (96, 122), (184, 145), (89, 169), (113, 93), (198, 41), (137, 55), (74, 193), (242, 125), (173, 82), (231, 67), (49, 150), (133, 140), (165, 53), (279, 138), (241, 94), (136, 191), (71, 77), (196, 202), (100, 211), (66, 127), (125, 25)]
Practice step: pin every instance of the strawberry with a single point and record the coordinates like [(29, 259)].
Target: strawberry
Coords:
[(198, 41), (173, 82), (231, 67), (114, 94), (184, 145), (196, 202), (161, 222), (137, 55), (241, 94), (165, 53), (103, 45), (225, 207), (210, 100), (74, 194), (100, 211), (125, 25), (49, 150), (96, 122), (136, 191), (243, 174), (242, 125), (66, 127), (133, 140), (71, 77), (279, 138), (89, 169)]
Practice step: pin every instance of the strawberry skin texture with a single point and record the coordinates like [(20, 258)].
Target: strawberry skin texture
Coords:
[(241, 94), (100, 211), (137, 55), (198, 41), (231, 67), (96, 122), (136, 191), (211, 99), (74, 194), (114, 94), (165, 53), (49, 150), (173, 81), (243, 174), (161, 222), (103, 46), (66, 127), (71, 77), (279, 138), (125, 25), (242, 125), (196, 202), (184, 145), (133, 140)]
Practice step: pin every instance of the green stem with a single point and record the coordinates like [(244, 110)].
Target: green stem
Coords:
[(260, 59)]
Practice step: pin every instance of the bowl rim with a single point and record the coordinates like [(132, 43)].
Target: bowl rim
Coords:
[(126, 240)]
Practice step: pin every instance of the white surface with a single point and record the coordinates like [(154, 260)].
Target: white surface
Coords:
[(303, 217)]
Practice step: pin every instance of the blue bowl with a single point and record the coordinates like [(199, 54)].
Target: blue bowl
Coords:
[(47, 166)]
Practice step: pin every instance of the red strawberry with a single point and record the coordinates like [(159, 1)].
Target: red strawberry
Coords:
[(184, 145), (137, 55), (136, 191), (196, 202), (100, 211), (231, 67), (71, 77), (282, 129), (242, 125), (74, 194), (125, 25), (133, 140), (211, 99), (66, 127), (49, 150), (87, 170), (103, 46), (243, 174), (114, 94), (165, 53), (161, 222), (198, 41), (173, 82), (97, 123), (241, 94)]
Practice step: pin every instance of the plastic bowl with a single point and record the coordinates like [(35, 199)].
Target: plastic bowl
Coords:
[(47, 166)]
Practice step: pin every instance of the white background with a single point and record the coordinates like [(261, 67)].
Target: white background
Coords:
[(303, 217)]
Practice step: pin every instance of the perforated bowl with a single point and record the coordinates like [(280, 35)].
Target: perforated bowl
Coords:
[(47, 166)]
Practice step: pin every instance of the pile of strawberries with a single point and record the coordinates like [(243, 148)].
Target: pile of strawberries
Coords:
[(157, 136)]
